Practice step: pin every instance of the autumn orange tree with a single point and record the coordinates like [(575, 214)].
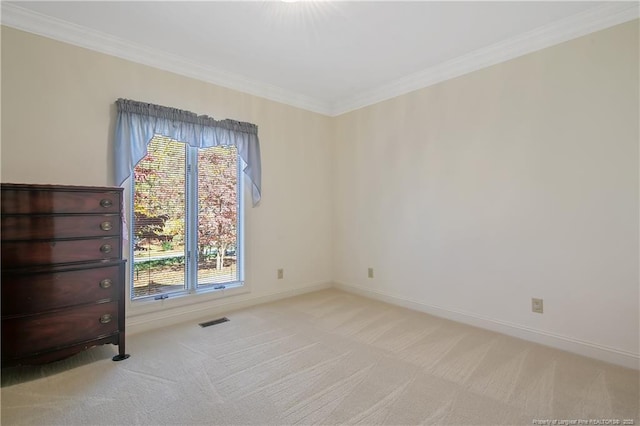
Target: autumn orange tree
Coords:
[(217, 201), (159, 198)]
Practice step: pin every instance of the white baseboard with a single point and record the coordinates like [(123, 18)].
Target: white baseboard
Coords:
[(168, 317), (592, 350)]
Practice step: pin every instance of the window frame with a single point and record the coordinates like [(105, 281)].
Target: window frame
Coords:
[(192, 288)]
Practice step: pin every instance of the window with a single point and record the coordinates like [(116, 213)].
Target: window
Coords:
[(186, 204), (187, 220)]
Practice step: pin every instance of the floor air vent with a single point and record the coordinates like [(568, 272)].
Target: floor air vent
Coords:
[(214, 322)]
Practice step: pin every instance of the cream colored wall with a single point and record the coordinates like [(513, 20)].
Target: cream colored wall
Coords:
[(57, 125), (470, 197)]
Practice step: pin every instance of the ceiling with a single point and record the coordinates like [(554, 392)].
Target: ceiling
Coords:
[(325, 56)]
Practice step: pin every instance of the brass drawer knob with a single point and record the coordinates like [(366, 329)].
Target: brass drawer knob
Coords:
[(105, 248), (106, 203), (105, 319), (106, 226), (106, 283)]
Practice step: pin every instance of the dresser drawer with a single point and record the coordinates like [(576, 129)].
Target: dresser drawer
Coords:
[(49, 331), (17, 254), (18, 201), (42, 227), (29, 293)]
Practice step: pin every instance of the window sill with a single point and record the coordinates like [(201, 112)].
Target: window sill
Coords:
[(151, 305)]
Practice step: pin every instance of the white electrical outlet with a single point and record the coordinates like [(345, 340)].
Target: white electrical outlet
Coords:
[(536, 305), (280, 274), (370, 272)]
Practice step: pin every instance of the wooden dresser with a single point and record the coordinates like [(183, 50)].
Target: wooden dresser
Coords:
[(62, 272)]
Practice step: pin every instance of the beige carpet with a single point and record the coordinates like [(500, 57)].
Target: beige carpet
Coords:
[(323, 358)]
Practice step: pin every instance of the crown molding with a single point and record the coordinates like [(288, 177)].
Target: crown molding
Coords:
[(566, 29), (595, 19), (33, 22)]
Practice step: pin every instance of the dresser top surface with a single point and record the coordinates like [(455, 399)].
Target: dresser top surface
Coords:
[(54, 187)]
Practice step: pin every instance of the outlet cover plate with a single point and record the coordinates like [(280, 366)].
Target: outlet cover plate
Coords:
[(536, 305)]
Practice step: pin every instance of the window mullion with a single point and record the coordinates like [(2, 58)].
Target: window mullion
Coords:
[(191, 218), (240, 220)]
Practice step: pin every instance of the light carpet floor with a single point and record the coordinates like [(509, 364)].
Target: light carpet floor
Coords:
[(328, 357)]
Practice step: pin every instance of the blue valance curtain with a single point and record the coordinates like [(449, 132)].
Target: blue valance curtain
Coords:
[(137, 123)]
